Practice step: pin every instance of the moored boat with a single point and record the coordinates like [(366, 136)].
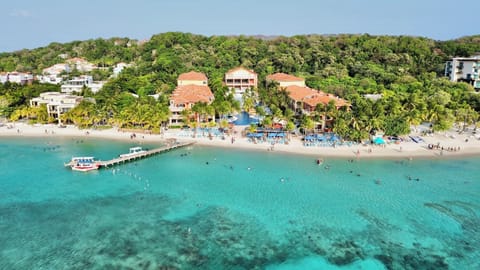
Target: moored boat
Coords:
[(133, 151), (83, 164)]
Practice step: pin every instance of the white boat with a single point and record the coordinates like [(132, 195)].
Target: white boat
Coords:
[(83, 164), (133, 151)]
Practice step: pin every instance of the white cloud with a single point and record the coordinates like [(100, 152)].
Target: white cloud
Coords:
[(21, 13)]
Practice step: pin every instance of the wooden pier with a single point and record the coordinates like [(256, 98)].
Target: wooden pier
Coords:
[(121, 160)]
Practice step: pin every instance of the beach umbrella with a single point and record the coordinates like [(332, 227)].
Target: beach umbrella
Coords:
[(334, 138), (320, 137)]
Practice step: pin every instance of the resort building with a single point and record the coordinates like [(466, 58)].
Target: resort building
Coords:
[(192, 77), (241, 79), (462, 69), (77, 84), (16, 77), (57, 103), (79, 64), (285, 80), (192, 88), (304, 100), (56, 69), (51, 79)]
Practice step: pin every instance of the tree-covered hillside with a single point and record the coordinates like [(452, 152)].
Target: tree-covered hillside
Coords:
[(408, 71)]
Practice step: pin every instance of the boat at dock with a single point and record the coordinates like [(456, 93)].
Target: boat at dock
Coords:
[(133, 152), (83, 164)]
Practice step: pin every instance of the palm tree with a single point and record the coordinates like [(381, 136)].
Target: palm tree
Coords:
[(307, 124), (199, 109), (290, 127), (466, 115), (186, 114)]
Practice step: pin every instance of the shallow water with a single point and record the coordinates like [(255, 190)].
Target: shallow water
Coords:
[(213, 208)]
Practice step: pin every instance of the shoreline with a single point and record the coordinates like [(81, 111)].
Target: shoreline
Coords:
[(468, 144)]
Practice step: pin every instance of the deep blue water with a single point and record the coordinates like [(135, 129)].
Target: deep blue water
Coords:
[(213, 208)]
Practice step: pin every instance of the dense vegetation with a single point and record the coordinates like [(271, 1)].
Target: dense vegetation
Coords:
[(407, 71)]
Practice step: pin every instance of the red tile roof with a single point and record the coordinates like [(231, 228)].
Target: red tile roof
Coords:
[(193, 76), (191, 94), (312, 97), (282, 77)]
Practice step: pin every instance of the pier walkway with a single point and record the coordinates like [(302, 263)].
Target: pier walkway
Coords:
[(121, 160)]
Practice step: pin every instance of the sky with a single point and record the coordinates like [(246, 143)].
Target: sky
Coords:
[(33, 23)]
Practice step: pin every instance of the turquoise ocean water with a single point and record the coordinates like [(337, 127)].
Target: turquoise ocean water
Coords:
[(214, 208)]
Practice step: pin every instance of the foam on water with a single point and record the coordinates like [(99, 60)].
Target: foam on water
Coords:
[(215, 208)]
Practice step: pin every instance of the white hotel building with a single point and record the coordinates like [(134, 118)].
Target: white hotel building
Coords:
[(464, 69), (57, 103), (76, 84)]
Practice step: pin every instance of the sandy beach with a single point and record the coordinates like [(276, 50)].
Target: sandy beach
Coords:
[(464, 144)]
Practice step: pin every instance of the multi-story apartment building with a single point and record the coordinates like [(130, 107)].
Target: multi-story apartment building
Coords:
[(304, 100), (51, 79), (192, 88), (241, 79), (77, 84), (16, 77), (465, 69), (57, 103), (56, 69)]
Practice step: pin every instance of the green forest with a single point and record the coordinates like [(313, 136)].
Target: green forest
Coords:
[(407, 71)]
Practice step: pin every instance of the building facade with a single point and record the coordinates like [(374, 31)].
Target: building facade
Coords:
[(304, 101), (463, 69), (241, 79), (192, 77), (56, 69), (192, 88), (16, 77), (51, 79), (76, 84), (57, 103)]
